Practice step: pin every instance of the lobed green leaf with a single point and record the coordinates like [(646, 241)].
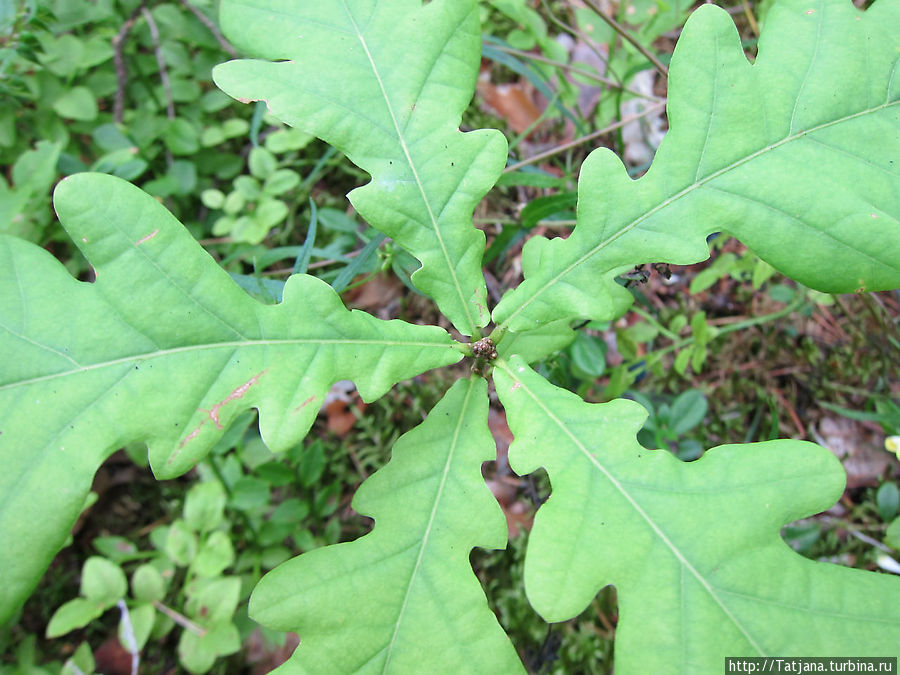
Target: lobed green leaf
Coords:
[(162, 348), (403, 597), (795, 155), (692, 548), (386, 83)]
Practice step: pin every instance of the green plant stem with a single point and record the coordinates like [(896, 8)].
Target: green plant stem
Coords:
[(846, 389), (497, 335), (463, 347), (738, 325), (584, 139), (654, 322)]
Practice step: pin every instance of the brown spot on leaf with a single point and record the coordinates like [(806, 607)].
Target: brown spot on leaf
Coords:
[(191, 436), (304, 404), (147, 238), (236, 394)]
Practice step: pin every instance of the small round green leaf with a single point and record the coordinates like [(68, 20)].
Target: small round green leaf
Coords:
[(262, 163), (78, 103), (147, 584), (233, 203), (198, 653), (287, 140), (212, 601), (117, 549), (74, 614), (892, 536), (311, 464), (249, 494), (235, 127), (249, 187), (181, 544), (281, 181), (270, 212), (181, 137), (212, 136), (212, 198), (249, 230), (103, 581), (688, 410), (204, 506), (215, 100), (141, 619), (215, 555), (642, 331), (589, 354)]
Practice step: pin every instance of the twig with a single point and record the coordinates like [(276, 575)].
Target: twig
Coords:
[(312, 266), (180, 619), (206, 21), (610, 629), (852, 529), (572, 30), (118, 42), (577, 71), (128, 634), (161, 62), (620, 29), (584, 139), (754, 26)]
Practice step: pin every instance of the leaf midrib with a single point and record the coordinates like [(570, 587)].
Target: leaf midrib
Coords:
[(473, 324), (428, 528), (684, 192), (635, 505), (147, 356)]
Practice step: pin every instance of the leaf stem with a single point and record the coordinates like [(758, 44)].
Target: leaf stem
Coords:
[(652, 320), (497, 335), (160, 62), (463, 347)]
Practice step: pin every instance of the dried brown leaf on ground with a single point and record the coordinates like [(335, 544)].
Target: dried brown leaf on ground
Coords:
[(860, 449), (512, 102)]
